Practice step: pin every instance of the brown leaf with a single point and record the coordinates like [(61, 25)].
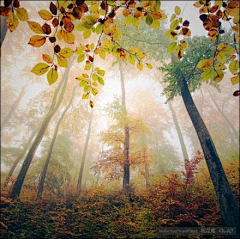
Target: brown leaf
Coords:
[(186, 23), (5, 11), (55, 22), (7, 3), (53, 8), (236, 93), (52, 39), (16, 4), (77, 13), (185, 31), (69, 26), (37, 41), (57, 49), (46, 29), (213, 8)]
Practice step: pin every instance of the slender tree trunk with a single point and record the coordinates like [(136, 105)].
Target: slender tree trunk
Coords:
[(126, 168), (20, 156), (147, 175), (79, 184), (53, 108), (3, 29), (14, 106), (179, 132), (202, 101), (224, 116), (228, 207), (98, 177), (44, 171)]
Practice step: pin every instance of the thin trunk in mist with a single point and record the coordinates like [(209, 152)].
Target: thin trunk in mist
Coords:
[(224, 116), (79, 184), (228, 207), (98, 177), (53, 108), (49, 154), (126, 169), (20, 156), (146, 167), (3, 29), (14, 106), (179, 132)]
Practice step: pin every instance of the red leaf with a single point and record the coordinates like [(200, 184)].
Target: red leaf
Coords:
[(53, 8)]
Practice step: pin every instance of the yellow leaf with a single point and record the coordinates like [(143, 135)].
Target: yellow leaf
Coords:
[(131, 59), (45, 14), (22, 14), (60, 34), (12, 22), (85, 96), (100, 80), (68, 37), (235, 79), (52, 76), (37, 41), (94, 91), (149, 66), (207, 74), (128, 20), (220, 66), (47, 58), (177, 10), (174, 24), (234, 66), (156, 24), (66, 52), (136, 22), (228, 50), (140, 65), (62, 61), (198, 4), (40, 69), (221, 57), (36, 27)]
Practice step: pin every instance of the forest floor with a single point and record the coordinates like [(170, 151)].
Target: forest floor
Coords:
[(98, 213)]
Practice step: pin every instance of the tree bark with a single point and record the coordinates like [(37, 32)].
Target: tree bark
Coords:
[(228, 207), (44, 171), (3, 29), (179, 132), (224, 116), (53, 108), (80, 177), (14, 106), (20, 156), (126, 168)]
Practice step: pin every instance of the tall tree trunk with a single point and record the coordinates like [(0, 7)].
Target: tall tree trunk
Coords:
[(3, 29), (53, 108), (20, 156), (126, 168), (14, 106), (224, 116), (79, 184), (228, 207), (179, 132), (98, 177), (44, 171)]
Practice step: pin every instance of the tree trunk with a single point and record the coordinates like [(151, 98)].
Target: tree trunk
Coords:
[(44, 171), (14, 106), (79, 184), (53, 108), (3, 29), (20, 156), (179, 132), (126, 168), (224, 116), (228, 207)]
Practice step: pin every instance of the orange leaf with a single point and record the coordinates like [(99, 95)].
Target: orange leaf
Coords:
[(37, 41)]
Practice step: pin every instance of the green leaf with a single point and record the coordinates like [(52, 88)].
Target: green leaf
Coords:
[(149, 19), (87, 33), (172, 47), (52, 76), (66, 52), (94, 91), (40, 69), (234, 66), (62, 61), (135, 22), (100, 80), (85, 96), (177, 10), (101, 72), (131, 59), (99, 28), (207, 74), (174, 24), (86, 88), (80, 27), (235, 79), (81, 58)]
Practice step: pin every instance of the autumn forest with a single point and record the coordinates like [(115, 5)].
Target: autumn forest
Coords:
[(119, 119)]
